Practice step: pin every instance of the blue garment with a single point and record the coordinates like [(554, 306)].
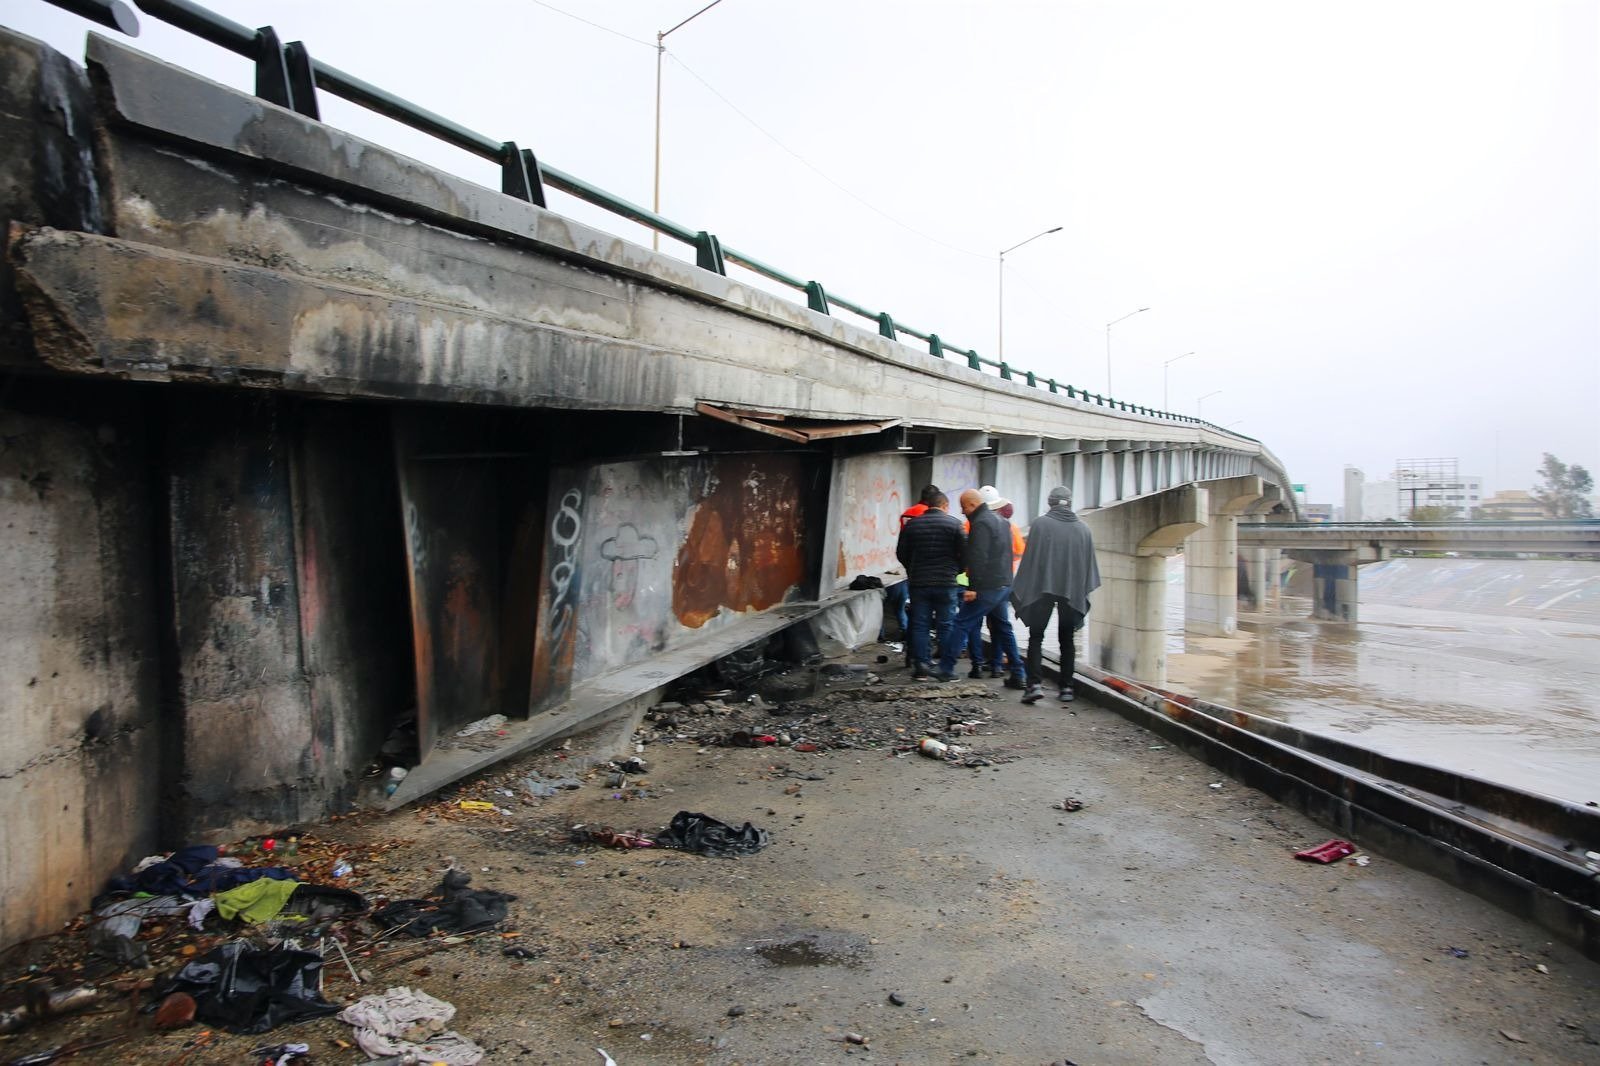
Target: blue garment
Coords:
[(968, 620), (897, 596), (193, 871), (932, 607)]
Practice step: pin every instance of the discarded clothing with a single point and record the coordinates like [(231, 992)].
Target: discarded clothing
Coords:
[(193, 871), (244, 990), (703, 834), (112, 939), (457, 910), (259, 901), (400, 1020)]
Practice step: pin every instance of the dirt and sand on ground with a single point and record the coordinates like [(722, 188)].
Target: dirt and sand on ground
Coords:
[(936, 912)]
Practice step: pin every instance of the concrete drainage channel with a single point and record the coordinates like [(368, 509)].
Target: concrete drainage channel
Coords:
[(1524, 853)]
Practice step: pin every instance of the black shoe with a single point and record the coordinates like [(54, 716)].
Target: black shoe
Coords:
[(1066, 696), (921, 672), (997, 673), (975, 674), (1033, 695), (1015, 682), (945, 675)]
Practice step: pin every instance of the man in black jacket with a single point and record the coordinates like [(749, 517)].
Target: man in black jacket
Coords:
[(988, 561), (930, 548)]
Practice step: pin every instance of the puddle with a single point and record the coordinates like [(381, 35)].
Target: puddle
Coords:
[(814, 950)]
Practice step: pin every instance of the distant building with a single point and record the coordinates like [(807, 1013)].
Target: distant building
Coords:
[(1435, 483), (1380, 501), (1354, 483), (1317, 512), (1514, 505)]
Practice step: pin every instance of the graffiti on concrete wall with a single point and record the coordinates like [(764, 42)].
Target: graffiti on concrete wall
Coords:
[(875, 492), (952, 473)]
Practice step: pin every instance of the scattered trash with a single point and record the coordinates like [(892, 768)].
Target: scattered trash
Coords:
[(897, 999), (454, 908), (1217, 785), (244, 989), (280, 1054), (1542, 968), (402, 1020), (483, 725), (855, 1038), (476, 805), (1362, 860), (705, 835), (1460, 953), (49, 1004), (933, 749), (1331, 851), (342, 868), (1071, 803), (608, 837), (1515, 1038), (607, 1060)]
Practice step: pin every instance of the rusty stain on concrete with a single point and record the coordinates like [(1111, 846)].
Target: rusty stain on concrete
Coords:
[(745, 548)]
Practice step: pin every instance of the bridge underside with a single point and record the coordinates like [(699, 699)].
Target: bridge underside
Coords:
[(300, 440)]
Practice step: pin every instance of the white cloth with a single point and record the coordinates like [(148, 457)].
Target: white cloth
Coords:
[(382, 1020)]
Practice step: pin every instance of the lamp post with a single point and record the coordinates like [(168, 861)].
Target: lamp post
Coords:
[(1000, 340), (661, 50), (1199, 405), (1169, 362), (1113, 322)]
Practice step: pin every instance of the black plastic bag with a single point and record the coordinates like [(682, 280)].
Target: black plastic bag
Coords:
[(704, 834), (458, 910), (245, 990)]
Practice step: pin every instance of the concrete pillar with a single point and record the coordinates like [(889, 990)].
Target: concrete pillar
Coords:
[(1127, 625), (1260, 577), (1211, 560), (1334, 593)]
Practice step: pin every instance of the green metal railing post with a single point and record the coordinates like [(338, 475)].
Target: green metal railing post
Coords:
[(817, 298)]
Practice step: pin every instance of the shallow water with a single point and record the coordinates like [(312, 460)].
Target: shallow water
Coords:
[(1489, 668)]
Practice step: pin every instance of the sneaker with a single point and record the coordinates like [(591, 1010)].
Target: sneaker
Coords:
[(1015, 682), (975, 674), (1033, 695), (1066, 696), (945, 675), (997, 673)]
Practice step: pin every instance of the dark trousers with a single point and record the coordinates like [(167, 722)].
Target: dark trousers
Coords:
[(932, 607), (1036, 616)]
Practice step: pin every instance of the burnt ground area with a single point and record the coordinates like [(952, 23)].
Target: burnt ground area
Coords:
[(940, 912)]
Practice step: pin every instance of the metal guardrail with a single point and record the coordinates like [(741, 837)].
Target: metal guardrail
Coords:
[(287, 75)]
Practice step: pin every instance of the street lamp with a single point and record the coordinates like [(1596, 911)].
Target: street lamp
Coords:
[(1199, 405), (1000, 341), (1169, 362), (661, 50), (1113, 322)]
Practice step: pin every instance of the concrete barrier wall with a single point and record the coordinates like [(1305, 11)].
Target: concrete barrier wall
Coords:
[(80, 732), (874, 491)]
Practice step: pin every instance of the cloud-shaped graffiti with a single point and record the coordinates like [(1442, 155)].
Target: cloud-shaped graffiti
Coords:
[(628, 544)]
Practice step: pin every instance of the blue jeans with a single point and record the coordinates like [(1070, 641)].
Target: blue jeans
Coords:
[(895, 599), (969, 620), (931, 608)]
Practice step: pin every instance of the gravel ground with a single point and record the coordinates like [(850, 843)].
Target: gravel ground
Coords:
[(937, 912)]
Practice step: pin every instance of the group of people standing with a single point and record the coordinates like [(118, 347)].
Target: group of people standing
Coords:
[(960, 575)]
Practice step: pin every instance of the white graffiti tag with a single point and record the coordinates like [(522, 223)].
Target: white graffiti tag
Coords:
[(566, 530)]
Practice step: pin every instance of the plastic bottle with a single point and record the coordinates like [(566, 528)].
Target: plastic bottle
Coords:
[(291, 849), (342, 868), (397, 774), (933, 749)]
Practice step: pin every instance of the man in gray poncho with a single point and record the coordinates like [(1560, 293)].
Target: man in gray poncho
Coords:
[(1057, 573)]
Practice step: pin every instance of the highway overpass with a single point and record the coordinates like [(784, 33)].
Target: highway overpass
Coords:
[(302, 437)]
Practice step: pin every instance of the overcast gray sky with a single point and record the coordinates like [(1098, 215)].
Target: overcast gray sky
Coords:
[(1376, 223)]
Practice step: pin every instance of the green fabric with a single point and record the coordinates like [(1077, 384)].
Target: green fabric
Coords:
[(258, 901)]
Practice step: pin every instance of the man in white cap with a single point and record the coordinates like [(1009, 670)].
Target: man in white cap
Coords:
[(1002, 637), (1057, 573)]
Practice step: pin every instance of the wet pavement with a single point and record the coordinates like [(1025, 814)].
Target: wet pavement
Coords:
[(1485, 667)]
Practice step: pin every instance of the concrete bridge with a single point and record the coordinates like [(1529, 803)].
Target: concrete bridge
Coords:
[(298, 435), (1335, 550)]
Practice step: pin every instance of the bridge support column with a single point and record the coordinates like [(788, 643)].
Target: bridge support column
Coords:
[(1334, 589), (1261, 568), (1127, 625), (1211, 560)]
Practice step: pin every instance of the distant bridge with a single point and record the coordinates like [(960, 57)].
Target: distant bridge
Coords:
[(1336, 549)]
